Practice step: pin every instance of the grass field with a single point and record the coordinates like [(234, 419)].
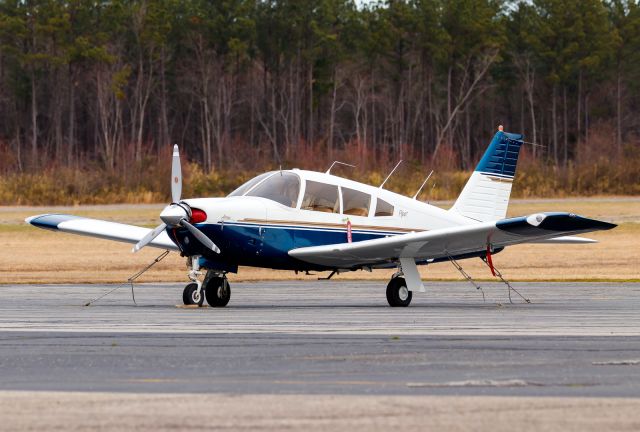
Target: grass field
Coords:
[(31, 255)]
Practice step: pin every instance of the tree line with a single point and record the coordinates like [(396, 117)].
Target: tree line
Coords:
[(244, 84)]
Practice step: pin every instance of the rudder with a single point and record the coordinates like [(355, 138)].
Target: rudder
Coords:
[(485, 197)]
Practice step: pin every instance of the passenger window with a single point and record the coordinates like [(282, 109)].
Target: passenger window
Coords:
[(321, 197), (383, 208), (283, 187), (355, 203)]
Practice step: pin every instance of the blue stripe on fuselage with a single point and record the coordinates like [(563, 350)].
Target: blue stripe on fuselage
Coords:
[(264, 245), (315, 228)]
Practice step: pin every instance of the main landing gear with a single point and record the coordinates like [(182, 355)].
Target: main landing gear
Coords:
[(398, 295), (215, 287)]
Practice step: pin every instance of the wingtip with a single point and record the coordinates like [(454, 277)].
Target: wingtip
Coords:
[(30, 218)]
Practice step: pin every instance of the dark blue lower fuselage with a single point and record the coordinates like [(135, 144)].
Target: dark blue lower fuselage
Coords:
[(263, 245)]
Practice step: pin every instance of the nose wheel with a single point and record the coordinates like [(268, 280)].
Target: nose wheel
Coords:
[(192, 295)]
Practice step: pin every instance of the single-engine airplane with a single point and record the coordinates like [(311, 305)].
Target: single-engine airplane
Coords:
[(312, 221)]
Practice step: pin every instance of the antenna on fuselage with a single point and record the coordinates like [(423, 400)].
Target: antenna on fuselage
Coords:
[(392, 171), (422, 185), (339, 163)]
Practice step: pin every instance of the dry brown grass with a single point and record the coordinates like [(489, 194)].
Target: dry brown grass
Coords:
[(30, 255)]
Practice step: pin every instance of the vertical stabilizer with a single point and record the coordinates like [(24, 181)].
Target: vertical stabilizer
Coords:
[(485, 197)]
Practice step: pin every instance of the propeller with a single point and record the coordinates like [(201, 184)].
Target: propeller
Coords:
[(176, 214), (150, 236), (176, 175)]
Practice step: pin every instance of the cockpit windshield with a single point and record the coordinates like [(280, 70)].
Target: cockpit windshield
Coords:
[(281, 187), (248, 185)]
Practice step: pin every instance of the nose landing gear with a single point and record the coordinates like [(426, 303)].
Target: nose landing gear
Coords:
[(215, 287), (192, 295)]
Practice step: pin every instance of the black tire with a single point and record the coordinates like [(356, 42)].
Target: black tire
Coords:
[(218, 291), (397, 293), (189, 295)]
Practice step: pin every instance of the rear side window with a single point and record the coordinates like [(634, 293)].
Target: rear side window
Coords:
[(355, 203), (321, 197), (383, 208)]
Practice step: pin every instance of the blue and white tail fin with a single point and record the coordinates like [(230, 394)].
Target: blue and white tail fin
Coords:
[(485, 197)]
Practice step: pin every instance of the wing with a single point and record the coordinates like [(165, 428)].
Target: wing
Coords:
[(455, 241), (99, 228)]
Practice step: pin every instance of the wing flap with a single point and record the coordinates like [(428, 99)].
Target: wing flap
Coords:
[(453, 241), (566, 240), (99, 228)]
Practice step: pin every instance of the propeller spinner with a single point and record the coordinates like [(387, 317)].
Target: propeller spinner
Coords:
[(176, 214)]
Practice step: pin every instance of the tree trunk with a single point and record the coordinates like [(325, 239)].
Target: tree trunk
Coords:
[(332, 115), (34, 123), (18, 149), (586, 119), (310, 131), (449, 116), (274, 124), (618, 110), (467, 139), (554, 125), (72, 120), (58, 96), (164, 119), (579, 108), (522, 112), (532, 111), (565, 134)]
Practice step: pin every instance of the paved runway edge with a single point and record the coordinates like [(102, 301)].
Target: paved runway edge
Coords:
[(60, 411), (557, 309)]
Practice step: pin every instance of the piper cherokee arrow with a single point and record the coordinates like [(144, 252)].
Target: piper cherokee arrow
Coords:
[(315, 221)]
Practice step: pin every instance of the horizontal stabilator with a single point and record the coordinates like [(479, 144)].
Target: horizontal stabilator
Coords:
[(552, 222)]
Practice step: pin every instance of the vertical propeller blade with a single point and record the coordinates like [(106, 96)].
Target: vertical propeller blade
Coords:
[(149, 237), (176, 175), (202, 238), (176, 213)]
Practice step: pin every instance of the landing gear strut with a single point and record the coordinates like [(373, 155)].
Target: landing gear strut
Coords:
[(398, 295), (193, 293)]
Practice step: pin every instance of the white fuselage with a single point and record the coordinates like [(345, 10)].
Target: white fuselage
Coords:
[(260, 231)]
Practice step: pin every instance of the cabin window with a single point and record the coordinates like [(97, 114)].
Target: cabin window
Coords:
[(383, 208), (321, 197), (282, 187), (248, 185), (355, 203)]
